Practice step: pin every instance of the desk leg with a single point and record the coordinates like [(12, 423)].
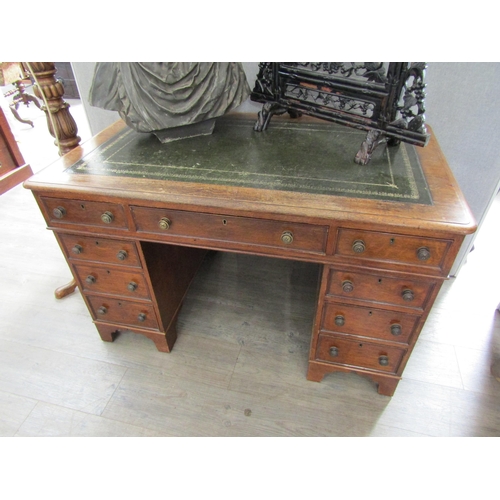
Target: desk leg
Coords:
[(386, 385), (107, 333), (315, 373), (164, 342)]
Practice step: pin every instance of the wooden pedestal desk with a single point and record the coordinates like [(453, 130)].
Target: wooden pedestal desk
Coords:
[(134, 219)]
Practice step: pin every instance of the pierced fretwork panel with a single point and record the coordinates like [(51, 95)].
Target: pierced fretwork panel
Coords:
[(385, 99)]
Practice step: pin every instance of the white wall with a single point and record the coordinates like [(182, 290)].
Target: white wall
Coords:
[(462, 107), (98, 118)]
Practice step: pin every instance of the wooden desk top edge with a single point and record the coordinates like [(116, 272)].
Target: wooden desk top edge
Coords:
[(448, 212)]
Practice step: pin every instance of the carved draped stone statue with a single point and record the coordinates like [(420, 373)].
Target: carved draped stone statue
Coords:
[(171, 100)]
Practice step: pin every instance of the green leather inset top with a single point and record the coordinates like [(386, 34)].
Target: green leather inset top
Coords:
[(291, 156)]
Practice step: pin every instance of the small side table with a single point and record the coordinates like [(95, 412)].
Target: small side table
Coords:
[(12, 73)]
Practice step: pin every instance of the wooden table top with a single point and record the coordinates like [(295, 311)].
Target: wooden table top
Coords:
[(300, 185)]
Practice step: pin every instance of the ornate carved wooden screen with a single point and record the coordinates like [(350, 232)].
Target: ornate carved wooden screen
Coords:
[(385, 99)]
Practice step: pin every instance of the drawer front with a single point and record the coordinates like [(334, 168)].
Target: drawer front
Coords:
[(79, 212), (295, 236), (380, 289), (392, 248), (393, 326), (127, 283), (342, 351), (86, 248), (123, 312)]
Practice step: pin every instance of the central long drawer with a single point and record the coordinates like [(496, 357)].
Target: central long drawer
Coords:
[(246, 230)]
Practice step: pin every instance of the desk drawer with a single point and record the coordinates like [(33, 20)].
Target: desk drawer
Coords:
[(83, 213), (87, 248), (295, 236), (123, 312), (393, 248), (380, 288), (393, 326), (98, 279), (342, 351)]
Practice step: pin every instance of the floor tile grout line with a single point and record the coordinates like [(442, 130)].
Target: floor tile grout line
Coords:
[(459, 367), (36, 401), (114, 392), (89, 414), (71, 354), (228, 387)]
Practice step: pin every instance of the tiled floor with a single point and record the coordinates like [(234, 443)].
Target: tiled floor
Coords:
[(238, 368)]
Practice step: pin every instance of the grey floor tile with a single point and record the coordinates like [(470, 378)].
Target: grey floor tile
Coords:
[(48, 420)]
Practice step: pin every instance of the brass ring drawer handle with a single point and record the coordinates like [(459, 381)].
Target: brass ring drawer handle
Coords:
[(287, 237), (122, 255), (107, 217), (408, 295), (358, 246), (59, 212), (339, 320), (423, 253), (383, 360), (334, 352), (347, 286), (396, 329), (164, 223)]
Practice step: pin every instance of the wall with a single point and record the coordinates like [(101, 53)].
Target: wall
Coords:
[(461, 107), (98, 118)]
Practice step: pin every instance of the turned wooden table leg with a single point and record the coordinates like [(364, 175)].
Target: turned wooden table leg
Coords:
[(64, 290), (50, 90)]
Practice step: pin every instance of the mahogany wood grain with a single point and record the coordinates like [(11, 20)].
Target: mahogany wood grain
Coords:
[(124, 312), (253, 232), (380, 288), (391, 326), (83, 213), (378, 247), (65, 290), (357, 353), (87, 248), (95, 278)]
